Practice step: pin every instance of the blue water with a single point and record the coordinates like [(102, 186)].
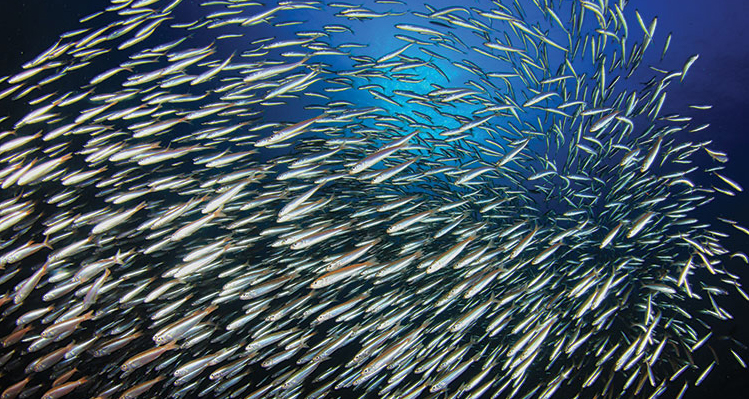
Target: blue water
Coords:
[(716, 32)]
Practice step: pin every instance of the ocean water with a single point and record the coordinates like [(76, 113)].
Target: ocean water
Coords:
[(717, 78)]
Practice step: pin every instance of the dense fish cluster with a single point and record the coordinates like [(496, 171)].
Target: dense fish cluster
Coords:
[(243, 199)]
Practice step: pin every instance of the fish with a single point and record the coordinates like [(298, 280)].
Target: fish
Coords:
[(270, 200)]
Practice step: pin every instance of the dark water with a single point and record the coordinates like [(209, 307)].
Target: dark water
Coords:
[(720, 77)]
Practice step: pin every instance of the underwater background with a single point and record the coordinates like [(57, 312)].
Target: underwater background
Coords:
[(720, 77)]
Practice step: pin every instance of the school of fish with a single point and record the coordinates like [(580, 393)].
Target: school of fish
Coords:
[(237, 199)]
